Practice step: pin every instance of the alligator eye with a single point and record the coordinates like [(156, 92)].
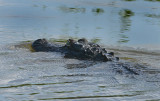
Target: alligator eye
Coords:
[(68, 43), (83, 40), (104, 50), (117, 58)]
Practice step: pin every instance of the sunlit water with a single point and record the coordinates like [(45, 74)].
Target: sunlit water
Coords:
[(130, 28)]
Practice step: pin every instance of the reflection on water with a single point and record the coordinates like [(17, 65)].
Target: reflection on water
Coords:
[(72, 9), (65, 9), (126, 23), (27, 75), (152, 15), (123, 38), (97, 11), (112, 22), (125, 16)]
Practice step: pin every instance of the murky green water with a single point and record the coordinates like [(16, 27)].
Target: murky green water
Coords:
[(130, 28)]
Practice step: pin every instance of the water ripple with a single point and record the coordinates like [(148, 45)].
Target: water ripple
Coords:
[(85, 97), (40, 84)]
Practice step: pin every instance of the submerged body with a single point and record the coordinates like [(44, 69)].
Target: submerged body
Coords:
[(84, 50), (81, 49)]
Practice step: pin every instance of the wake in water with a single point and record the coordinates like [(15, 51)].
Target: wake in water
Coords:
[(132, 61), (63, 78)]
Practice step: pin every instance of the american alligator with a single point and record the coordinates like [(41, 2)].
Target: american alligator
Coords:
[(81, 49), (84, 50)]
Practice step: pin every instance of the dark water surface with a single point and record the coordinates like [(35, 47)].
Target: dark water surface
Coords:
[(130, 28)]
